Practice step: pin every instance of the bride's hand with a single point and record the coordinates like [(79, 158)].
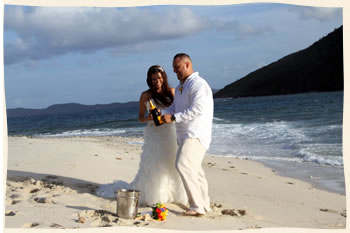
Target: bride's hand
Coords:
[(166, 118), (149, 117)]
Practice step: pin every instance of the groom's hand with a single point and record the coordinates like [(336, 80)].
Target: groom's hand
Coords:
[(166, 118)]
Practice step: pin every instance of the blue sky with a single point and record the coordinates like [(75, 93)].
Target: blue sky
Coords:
[(93, 55)]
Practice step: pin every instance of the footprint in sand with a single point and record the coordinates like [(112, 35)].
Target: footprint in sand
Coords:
[(10, 213), (14, 202), (210, 164), (35, 190), (55, 225), (32, 224), (16, 195), (342, 212), (234, 212), (100, 218), (43, 200), (103, 218), (328, 210)]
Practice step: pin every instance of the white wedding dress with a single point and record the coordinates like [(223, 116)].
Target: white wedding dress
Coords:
[(157, 177)]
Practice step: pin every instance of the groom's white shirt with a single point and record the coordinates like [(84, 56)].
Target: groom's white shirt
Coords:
[(193, 109)]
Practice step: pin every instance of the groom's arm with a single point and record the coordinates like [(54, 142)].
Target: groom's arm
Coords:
[(168, 113)]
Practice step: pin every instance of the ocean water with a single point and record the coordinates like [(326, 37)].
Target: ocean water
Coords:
[(297, 135)]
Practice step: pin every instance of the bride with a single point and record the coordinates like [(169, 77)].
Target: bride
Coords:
[(157, 178)]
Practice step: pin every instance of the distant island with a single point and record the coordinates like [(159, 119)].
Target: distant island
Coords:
[(71, 108), (318, 68), (131, 106)]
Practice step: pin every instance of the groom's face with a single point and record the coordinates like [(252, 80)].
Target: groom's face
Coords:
[(180, 68)]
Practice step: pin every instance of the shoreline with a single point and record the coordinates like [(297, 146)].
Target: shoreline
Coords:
[(313, 174), (333, 181), (75, 166)]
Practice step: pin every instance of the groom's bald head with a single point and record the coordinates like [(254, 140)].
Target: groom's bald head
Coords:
[(182, 65)]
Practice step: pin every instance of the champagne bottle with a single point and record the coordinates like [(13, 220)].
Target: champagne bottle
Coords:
[(157, 118)]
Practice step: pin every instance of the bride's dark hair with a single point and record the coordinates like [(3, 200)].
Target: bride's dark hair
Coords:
[(165, 97)]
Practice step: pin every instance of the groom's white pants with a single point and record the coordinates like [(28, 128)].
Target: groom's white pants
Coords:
[(190, 155)]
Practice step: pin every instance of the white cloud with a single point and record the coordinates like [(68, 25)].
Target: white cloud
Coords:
[(318, 13), (240, 30), (49, 31), (250, 30), (45, 32)]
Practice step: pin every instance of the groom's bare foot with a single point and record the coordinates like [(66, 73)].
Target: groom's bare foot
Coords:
[(192, 213)]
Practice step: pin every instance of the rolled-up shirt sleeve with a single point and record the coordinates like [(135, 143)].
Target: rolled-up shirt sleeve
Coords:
[(169, 110)]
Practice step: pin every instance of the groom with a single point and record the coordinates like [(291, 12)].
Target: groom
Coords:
[(192, 111)]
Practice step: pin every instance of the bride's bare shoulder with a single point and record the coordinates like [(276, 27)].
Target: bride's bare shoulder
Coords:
[(172, 90), (146, 95)]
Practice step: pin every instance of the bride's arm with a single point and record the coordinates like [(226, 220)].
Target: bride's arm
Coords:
[(145, 96), (168, 112)]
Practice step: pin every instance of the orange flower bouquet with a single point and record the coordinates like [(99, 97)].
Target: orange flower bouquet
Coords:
[(159, 212)]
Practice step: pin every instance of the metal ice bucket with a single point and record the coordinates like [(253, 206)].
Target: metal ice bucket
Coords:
[(127, 202)]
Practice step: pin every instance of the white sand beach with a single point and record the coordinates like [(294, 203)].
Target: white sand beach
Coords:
[(51, 184)]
